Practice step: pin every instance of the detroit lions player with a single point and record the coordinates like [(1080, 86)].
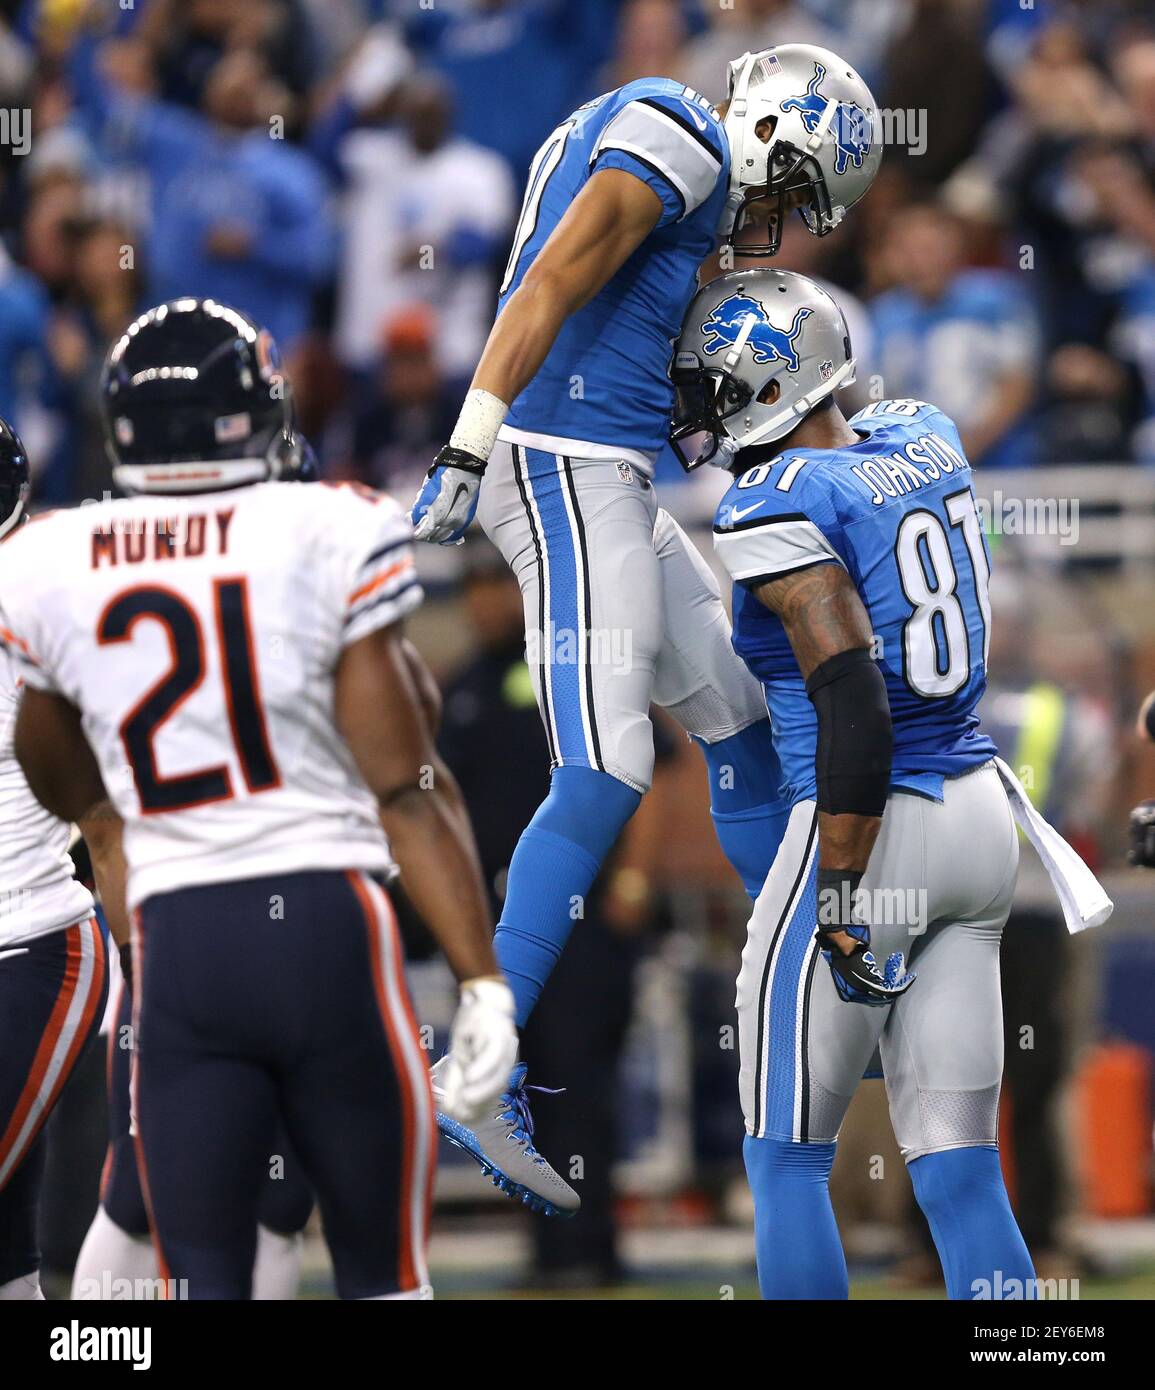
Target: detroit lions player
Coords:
[(860, 603), (569, 407)]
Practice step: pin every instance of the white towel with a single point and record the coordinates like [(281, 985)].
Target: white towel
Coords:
[(1083, 900)]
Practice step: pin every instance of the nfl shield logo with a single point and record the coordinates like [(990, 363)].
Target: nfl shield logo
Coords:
[(625, 472), (826, 370)]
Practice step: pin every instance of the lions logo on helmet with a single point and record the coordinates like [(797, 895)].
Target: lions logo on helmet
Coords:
[(801, 127), (728, 323), (741, 380), (851, 125)]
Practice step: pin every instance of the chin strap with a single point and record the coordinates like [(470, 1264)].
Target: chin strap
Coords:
[(786, 419)]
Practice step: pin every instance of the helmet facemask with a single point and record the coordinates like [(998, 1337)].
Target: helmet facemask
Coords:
[(704, 398), (794, 181)]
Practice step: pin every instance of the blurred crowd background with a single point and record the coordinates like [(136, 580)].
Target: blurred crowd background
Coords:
[(348, 172)]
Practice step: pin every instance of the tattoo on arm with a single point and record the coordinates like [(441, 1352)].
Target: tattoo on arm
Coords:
[(821, 611), (823, 615)]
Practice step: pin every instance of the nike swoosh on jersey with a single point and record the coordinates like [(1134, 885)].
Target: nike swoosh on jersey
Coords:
[(737, 515), (698, 121)]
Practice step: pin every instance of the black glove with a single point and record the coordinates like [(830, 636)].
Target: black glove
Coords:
[(1143, 835), (857, 977)]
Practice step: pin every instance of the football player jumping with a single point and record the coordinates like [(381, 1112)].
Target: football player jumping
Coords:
[(861, 606), (554, 452), (223, 652)]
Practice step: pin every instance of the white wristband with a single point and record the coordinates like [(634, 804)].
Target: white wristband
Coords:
[(481, 417)]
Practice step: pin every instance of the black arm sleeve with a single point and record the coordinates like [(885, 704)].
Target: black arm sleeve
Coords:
[(855, 738)]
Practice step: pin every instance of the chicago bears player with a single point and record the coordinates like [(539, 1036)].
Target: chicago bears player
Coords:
[(118, 1254), (860, 603), (568, 409), (223, 651), (53, 959)]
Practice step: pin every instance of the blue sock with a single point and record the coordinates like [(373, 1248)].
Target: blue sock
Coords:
[(795, 1235), (551, 872), (749, 816), (964, 1198)]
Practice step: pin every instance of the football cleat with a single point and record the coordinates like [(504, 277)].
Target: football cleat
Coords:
[(501, 1143)]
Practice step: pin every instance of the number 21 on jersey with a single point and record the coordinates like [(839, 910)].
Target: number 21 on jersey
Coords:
[(184, 629)]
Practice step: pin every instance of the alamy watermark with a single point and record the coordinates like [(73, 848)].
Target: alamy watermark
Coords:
[(876, 907), (109, 1288), (1013, 1289), (16, 128), (1001, 515), (607, 647)]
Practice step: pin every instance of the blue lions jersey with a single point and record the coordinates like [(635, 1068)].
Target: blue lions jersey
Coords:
[(606, 379), (898, 511)]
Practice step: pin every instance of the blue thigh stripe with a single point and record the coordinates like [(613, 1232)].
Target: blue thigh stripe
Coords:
[(564, 633), (785, 972), (587, 609), (535, 535)]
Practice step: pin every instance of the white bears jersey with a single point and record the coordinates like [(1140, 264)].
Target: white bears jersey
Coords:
[(38, 891), (199, 637)]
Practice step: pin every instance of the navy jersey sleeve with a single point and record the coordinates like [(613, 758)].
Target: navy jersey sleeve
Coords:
[(772, 522), (671, 143)]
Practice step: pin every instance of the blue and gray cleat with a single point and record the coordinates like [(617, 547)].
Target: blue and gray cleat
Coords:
[(502, 1143)]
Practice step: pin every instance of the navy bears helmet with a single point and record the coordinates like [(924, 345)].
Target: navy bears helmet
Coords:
[(15, 479), (194, 400)]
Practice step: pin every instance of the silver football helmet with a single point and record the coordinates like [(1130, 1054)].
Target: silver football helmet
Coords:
[(759, 349), (804, 132)]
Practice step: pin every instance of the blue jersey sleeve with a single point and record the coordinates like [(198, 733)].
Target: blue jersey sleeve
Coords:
[(908, 412), (674, 144), (773, 522)]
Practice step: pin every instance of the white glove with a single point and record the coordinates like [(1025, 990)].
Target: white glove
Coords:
[(482, 1050), (445, 506)]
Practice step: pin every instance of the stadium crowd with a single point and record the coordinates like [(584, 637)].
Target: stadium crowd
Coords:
[(348, 172)]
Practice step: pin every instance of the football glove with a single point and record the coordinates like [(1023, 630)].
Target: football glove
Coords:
[(446, 503), (1142, 850), (857, 977), (482, 1050)]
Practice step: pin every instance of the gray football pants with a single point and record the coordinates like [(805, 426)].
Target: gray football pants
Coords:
[(939, 883), (620, 609)]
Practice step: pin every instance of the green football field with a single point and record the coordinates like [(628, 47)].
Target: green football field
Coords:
[(1140, 1286)]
